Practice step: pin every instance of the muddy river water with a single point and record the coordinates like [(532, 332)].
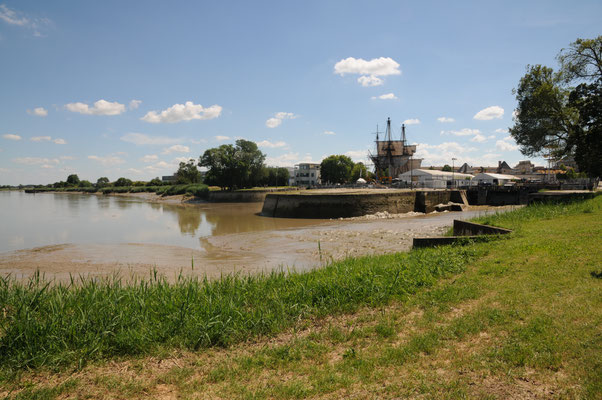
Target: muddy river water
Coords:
[(63, 234)]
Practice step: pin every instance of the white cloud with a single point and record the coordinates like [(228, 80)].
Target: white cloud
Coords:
[(36, 160), (478, 138), (387, 96), (41, 139), (176, 148), (370, 70), (142, 139), (289, 159), (221, 138), (489, 113), (329, 133), (183, 112), (38, 112), (370, 81), (462, 132), (67, 158), (278, 118), (500, 130), (357, 155), (60, 141), (11, 17), (101, 107), (10, 136), (108, 160), (267, 143), (413, 121), (445, 119), (273, 122), (443, 153), (376, 67), (134, 104), (506, 144), (149, 158)]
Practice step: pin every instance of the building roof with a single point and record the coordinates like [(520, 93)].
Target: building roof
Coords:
[(495, 176), (434, 173)]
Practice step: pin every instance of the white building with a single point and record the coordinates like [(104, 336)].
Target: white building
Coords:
[(493, 179), (307, 174), (432, 178)]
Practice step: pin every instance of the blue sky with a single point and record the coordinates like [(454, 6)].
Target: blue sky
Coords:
[(118, 88)]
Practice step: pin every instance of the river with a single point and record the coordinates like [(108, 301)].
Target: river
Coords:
[(67, 234)]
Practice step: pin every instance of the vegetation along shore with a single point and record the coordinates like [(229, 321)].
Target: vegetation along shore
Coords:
[(518, 317)]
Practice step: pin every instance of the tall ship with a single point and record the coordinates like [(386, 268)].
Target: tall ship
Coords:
[(393, 157)]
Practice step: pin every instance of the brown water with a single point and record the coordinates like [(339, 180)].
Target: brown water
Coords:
[(71, 234)]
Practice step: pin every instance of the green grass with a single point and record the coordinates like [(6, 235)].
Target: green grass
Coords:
[(55, 325)]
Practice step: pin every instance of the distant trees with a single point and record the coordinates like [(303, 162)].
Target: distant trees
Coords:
[(188, 172), (102, 182), (233, 166), (122, 182), (446, 168), (336, 169), (554, 117), (359, 170), (73, 180), (274, 176)]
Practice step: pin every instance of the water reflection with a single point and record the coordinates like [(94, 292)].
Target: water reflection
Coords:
[(47, 219)]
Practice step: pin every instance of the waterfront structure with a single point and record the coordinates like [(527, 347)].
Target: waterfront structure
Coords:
[(435, 179), (307, 174), (393, 157), (489, 178)]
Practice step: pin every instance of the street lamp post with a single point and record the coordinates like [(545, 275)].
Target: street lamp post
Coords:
[(453, 173)]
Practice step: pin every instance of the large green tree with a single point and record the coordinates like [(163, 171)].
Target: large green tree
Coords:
[(555, 118), (233, 166), (188, 172), (73, 179), (336, 169)]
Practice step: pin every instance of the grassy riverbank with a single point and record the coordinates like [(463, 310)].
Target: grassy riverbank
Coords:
[(520, 317)]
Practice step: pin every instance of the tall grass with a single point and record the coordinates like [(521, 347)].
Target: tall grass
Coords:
[(56, 325)]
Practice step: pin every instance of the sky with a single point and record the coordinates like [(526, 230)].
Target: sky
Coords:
[(131, 88)]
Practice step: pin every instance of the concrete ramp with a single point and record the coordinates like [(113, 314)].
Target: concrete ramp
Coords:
[(464, 232)]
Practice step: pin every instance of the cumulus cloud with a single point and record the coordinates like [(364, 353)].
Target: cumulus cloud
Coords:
[(36, 160), (176, 148), (221, 138), (493, 112), (134, 104), (107, 160), (506, 144), (443, 153), (268, 144), (412, 121), (100, 107), (289, 159), (445, 119), (38, 112), (462, 132), (41, 139), (387, 96), (369, 69), (142, 139), (183, 112), (500, 130), (357, 155), (47, 139), (149, 158), (478, 138), (370, 81), (375, 67), (329, 133), (16, 18), (10, 136), (278, 118)]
